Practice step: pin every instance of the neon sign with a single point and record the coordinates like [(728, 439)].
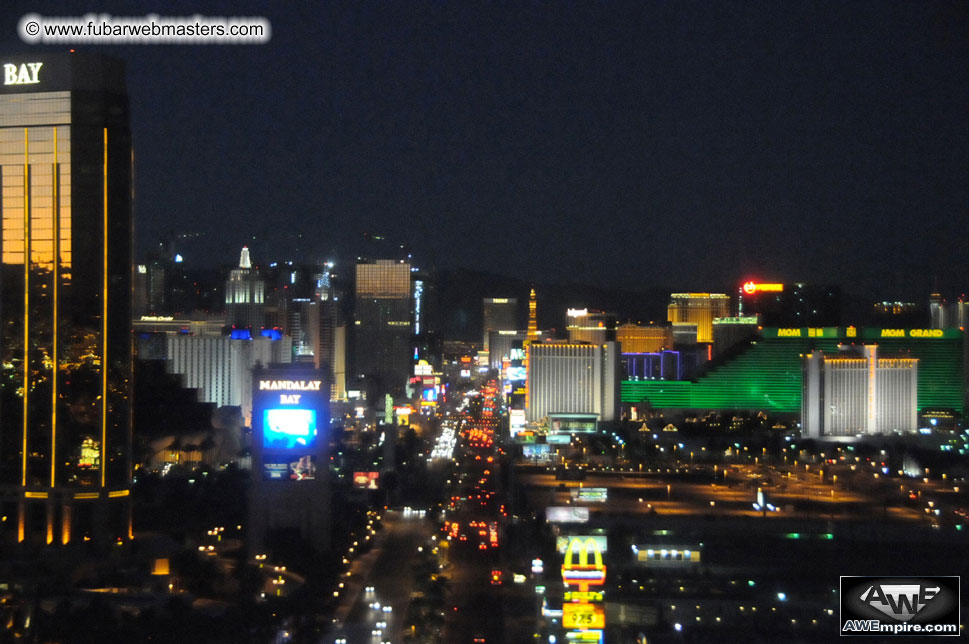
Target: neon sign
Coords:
[(583, 574), (753, 287), (292, 385), (26, 74), (583, 616)]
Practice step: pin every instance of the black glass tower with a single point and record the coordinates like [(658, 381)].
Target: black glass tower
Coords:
[(65, 280)]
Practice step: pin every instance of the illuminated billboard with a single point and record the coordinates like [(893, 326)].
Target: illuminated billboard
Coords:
[(516, 420), (366, 480), (288, 428), (289, 487), (567, 514), (537, 451), (590, 494), (573, 423), (300, 469), (513, 373), (583, 616), (754, 287)]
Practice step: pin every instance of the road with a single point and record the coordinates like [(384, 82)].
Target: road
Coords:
[(387, 568)]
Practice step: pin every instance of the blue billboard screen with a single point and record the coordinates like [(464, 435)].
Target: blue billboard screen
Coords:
[(288, 428)]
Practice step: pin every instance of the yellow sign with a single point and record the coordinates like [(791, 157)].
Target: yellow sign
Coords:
[(586, 597), (788, 333), (583, 616), (583, 573), (925, 333), (893, 333)]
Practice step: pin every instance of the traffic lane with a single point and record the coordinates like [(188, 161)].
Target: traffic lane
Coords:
[(387, 568), (474, 604)]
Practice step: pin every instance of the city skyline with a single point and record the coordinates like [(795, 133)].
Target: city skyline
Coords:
[(630, 145), (713, 254)]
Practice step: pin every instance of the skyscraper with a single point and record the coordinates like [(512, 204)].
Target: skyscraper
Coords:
[(65, 313), (331, 348), (245, 296), (498, 314), (594, 327), (383, 326), (700, 309)]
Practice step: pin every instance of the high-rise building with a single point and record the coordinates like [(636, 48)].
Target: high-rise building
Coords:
[(594, 327), (65, 417), (498, 314), (331, 346), (635, 338), (245, 293), (567, 378), (220, 367), (858, 394), (383, 323), (700, 309), (303, 326)]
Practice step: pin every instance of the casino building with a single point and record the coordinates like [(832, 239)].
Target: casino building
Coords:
[(856, 393), (765, 373), (700, 309), (572, 378), (65, 281)]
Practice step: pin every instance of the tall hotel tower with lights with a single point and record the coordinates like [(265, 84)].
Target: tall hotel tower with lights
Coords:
[(383, 323), (65, 340)]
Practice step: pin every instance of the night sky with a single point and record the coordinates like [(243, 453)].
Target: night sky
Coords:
[(634, 144)]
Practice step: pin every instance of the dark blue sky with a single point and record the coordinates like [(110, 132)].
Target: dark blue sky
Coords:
[(688, 145)]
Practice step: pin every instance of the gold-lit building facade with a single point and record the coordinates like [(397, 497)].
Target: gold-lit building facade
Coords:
[(65, 279), (635, 338), (700, 309)]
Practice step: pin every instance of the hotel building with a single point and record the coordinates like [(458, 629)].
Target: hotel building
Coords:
[(700, 309), (572, 378), (65, 313), (850, 394)]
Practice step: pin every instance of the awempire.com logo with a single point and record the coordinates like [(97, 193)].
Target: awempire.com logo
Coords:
[(900, 606)]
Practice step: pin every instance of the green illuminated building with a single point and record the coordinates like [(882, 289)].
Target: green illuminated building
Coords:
[(767, 374)]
